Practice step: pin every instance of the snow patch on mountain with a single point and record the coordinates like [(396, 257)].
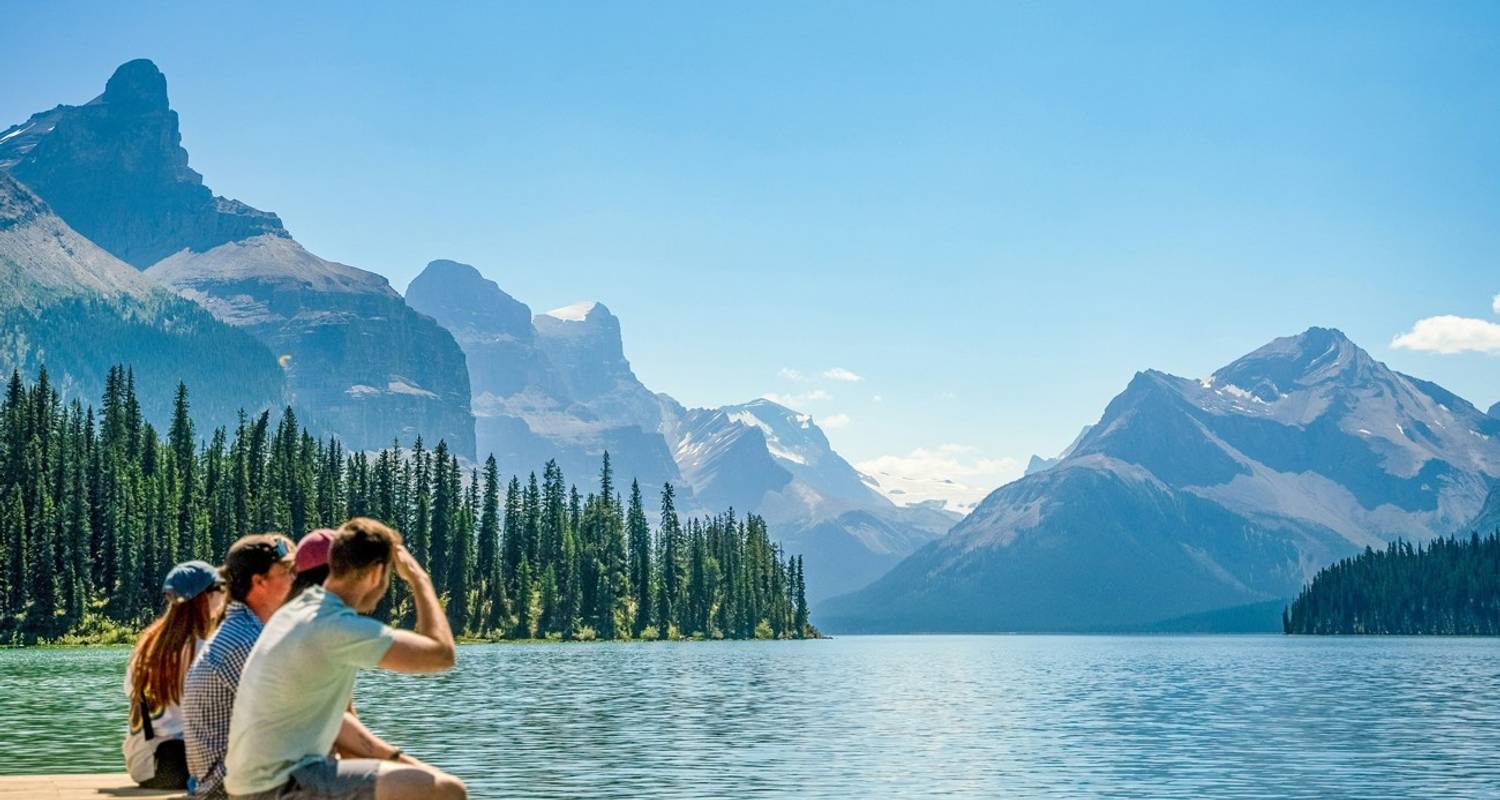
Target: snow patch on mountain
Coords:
[(577, 312)]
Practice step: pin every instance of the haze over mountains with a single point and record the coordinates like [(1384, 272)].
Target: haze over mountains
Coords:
[(68, 305), (1187, 496), (1193, 495), (558, 386), (358, 360)]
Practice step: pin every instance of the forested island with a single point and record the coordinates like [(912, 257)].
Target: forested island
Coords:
[(95, 508), (1446, 587)]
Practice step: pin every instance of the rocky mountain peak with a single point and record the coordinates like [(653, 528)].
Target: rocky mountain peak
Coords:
[(137, 85), (459, 296), (1290, 363), (115, 170)]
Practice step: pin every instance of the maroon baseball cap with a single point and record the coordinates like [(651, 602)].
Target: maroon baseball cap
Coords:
[(312, 551)]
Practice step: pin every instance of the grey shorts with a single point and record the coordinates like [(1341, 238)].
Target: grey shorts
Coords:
[(329, 779)]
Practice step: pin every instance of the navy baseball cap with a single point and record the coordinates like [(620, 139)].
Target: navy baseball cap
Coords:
[(190, 579)]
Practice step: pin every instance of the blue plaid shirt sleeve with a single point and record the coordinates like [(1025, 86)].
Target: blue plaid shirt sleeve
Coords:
[(208, 698)]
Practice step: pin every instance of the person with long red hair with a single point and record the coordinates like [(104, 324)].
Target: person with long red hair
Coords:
[(154, 750)]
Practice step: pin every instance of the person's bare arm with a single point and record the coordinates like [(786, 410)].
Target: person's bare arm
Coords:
[(428, 648), (357, 741)]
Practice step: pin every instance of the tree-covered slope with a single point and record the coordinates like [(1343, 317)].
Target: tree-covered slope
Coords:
[(1447, 587), (69, 305)]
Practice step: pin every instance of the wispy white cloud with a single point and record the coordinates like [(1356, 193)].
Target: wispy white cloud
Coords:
[(1451, 334), (956, 474), (791, 375), (841, 374), (877, 398), (1495, 304), (798, 399), (834, 422)]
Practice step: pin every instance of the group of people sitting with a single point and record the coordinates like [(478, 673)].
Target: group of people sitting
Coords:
[(250, 695)]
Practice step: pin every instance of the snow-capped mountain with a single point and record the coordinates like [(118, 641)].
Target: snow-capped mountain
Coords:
[(764, 457), (359, 362), (1191, 495), (558, 386)]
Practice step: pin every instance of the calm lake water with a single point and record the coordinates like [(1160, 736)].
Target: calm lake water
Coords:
[(980, 716)]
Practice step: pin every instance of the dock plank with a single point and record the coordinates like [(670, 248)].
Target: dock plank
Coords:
[(76, 787)]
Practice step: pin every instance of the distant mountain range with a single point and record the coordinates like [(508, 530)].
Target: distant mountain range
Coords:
[(457, 359), (1187, 498), (1194, 495), (558, 386), (358, 361)]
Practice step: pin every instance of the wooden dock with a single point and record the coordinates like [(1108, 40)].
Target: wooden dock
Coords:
[(75, 787)]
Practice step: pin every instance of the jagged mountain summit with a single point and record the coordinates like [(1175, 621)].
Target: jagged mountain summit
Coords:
[(115, 169), (558, 386), (68, 305), (359, 361), (1194, 495)]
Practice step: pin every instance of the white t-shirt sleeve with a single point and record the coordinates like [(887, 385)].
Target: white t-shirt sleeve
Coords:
[(358, 640)]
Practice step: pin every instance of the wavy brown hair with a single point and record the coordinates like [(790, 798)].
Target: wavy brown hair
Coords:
[(164, 651)]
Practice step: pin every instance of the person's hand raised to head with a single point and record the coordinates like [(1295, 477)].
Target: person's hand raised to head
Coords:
[(406, 565)]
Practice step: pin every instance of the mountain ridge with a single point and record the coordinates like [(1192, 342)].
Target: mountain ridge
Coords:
[(70, 307), (1190, 495)]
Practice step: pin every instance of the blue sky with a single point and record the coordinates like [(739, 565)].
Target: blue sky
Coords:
[(993, 214)]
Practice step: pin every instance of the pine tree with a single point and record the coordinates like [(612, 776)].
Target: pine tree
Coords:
[(639, 535), (491, 583)]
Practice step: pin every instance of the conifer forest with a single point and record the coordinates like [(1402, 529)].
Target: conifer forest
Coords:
[(96, 506)]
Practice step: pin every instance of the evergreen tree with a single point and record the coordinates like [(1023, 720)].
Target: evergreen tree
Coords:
[(639, 534), (490, 583)]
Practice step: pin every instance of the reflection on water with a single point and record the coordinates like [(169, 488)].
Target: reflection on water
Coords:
[(888, 716)]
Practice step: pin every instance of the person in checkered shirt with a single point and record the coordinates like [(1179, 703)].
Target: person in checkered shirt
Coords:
[(259, 573)]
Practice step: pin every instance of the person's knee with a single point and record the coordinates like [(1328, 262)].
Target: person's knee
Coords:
[(451, 788), (425, 782)]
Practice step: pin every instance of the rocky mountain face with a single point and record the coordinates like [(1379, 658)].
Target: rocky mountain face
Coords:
[(359, 361), (115, 169), (547, 387), (68, 305), (1194, 495), (559, 386)]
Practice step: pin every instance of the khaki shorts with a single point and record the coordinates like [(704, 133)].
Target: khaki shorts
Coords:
[(329, 779)]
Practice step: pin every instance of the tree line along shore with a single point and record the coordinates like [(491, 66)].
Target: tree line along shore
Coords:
[(96, 507), (1447, 587)]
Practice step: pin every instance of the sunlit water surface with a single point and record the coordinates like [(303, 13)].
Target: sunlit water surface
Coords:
[(980, 716)]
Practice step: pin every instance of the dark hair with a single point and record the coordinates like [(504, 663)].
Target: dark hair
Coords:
[(308, 578), (250, 556), (360, 544)]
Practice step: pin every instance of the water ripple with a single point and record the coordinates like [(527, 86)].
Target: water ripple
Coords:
[(1014, 716)]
